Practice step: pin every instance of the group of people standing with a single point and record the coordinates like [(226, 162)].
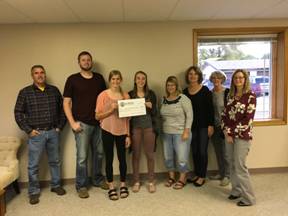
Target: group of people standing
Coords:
[(189, 119)]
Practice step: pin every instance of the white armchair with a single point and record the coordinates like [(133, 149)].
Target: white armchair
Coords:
[(9, 164)]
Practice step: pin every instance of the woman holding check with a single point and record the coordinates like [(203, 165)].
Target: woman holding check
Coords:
[(114, 129), (143, 130)]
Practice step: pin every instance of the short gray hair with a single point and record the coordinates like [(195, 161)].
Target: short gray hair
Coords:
[(218, 74)]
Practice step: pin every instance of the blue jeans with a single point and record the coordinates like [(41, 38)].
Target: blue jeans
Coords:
[(174, 143), (48, 140), (89, 136)]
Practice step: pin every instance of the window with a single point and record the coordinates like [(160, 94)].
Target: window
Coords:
[(261, 52)]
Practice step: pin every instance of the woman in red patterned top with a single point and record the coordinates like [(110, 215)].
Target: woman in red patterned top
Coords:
[(237, 119)]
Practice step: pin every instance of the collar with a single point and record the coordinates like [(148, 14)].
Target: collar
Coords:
[(172, 101), (35, 87)]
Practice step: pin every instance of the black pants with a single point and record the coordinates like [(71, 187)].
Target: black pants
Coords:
[(108, 144), (199, 145)]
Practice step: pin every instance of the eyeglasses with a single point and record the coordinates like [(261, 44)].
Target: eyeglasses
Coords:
[(214, 78), (239, 78)]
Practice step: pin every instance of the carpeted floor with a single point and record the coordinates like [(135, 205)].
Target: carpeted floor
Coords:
[(271, 191)]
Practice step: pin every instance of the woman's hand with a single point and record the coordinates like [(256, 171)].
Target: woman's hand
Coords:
[(127, 142), (148, 104), (185, 134), (114, 106), (229, 139)]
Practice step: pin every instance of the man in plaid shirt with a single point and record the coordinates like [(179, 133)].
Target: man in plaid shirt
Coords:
[(38, 112)]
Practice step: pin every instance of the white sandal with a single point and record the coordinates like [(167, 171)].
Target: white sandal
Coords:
[(151, 187), (136, 187)]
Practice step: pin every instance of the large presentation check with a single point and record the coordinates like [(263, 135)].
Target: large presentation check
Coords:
[(131, 107)]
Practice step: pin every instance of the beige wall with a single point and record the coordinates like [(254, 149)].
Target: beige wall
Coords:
[(160, 49)]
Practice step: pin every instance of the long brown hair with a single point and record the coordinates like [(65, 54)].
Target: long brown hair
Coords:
[(246, 87), (146, 88)]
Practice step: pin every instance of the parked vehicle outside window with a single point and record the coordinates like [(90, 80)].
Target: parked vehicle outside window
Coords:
[(260, 85)]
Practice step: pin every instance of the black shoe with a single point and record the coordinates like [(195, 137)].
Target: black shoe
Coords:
[(196, 184), (232, 197), (58, 190), (34, 199), (83, 193), (192, 180), (242, 204)]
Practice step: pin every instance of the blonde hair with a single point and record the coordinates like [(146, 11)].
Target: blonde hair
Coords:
[(174, 80), (116, 73), (246, 87)]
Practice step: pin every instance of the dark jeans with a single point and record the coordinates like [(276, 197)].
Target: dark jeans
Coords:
[(49, 141), (108, 144), (199, 146)]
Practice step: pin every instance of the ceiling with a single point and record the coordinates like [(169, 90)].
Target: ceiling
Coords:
[(107, 11)]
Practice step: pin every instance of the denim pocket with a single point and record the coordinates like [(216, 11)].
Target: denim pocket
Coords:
[(37, 135)]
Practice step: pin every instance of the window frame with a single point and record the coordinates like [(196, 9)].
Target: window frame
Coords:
[(279, 66)]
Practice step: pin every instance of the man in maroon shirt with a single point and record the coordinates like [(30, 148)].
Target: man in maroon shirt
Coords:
[(80, 94)]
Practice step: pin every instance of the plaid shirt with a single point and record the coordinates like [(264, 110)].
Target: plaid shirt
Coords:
[(39, 109)]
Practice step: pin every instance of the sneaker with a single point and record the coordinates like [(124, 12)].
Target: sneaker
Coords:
[(83, 193), (225, 181), (34, 199), (58, 190), (103, 185), (215, 177)]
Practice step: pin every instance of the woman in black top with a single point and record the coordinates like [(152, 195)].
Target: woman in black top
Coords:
[(202, 127)]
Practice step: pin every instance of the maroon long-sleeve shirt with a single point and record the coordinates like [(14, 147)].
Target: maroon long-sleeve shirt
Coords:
[(238, 115)]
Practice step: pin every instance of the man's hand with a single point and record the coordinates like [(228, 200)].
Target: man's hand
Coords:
[(76, 127), (34, 133), (210, 131)]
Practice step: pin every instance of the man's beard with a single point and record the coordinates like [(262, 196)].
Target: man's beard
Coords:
[(86, 69)]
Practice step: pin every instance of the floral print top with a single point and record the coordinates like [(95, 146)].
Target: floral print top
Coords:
[(238, 114)]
